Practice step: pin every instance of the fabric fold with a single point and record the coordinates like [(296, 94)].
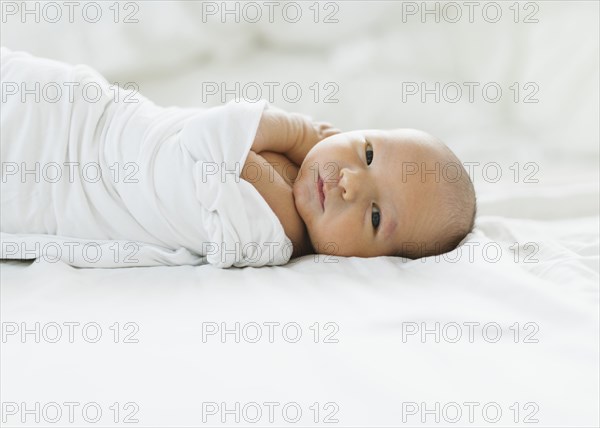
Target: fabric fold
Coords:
[(127, 173)]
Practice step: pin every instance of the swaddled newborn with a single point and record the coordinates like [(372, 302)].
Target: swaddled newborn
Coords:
[(362, 193)]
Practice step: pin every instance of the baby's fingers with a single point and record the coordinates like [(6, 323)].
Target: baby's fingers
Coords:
[(325, 130)]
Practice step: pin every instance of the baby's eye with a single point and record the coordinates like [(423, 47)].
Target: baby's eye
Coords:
[(369, 153), (375, 217)]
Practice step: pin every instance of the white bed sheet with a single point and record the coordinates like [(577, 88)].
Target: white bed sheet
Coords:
[(368, 373)]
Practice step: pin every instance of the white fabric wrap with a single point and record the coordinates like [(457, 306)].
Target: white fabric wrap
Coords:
[(139, 184)]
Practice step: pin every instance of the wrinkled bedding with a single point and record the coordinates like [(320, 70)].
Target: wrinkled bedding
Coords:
[(377, 310)]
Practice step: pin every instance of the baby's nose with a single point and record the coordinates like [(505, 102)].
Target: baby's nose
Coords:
[(349, 183)]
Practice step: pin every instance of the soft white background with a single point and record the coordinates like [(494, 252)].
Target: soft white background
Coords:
[(368, 54)]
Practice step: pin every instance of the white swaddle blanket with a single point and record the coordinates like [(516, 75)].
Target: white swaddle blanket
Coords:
[(107, 178)]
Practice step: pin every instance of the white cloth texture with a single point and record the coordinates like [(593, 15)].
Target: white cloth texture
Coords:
[(99, 176)]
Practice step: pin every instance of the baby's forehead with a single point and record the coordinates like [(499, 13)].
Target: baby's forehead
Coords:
[(402, 136), (408, 143), (402, 144)]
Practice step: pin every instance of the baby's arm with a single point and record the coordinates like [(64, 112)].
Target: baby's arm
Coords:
[(281, 143), (290, 134), (287, 169), (277, 192)]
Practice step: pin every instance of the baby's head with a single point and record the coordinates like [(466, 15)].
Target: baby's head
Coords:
[(393, 193)]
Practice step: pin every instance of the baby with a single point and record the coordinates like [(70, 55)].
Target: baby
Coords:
[(115, 172), (361, 193)]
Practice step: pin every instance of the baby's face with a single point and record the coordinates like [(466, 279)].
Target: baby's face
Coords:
[(359, 195)]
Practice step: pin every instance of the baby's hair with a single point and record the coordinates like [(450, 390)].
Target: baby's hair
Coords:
[(460, 204), (457, 208)]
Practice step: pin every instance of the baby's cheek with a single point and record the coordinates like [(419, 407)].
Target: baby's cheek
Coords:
[(325, 240)]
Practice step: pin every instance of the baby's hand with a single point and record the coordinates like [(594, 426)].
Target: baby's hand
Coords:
[(311, 134), (291, 134)]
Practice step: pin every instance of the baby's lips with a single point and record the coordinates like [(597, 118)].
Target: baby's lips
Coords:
[(321, 195)]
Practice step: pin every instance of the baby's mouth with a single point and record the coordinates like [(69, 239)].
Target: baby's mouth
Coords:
[(320, 192)]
